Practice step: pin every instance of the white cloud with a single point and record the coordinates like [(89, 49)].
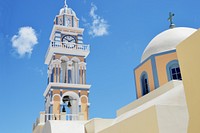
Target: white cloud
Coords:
[(99, 26), (24, 41)]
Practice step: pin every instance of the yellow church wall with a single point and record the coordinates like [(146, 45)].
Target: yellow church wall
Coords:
[(147, 67), (143, 122), (58, 56), (84, 104), (189, 60), (56, 106), (161, 63)]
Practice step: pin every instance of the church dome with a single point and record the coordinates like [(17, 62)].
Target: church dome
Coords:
[(167, 40), (68, 11)]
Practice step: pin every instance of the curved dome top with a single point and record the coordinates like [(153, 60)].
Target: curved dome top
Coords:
[(167, 40), (66, 10)]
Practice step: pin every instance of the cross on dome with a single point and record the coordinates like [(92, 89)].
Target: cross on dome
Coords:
[(170, 19), (65, 4)]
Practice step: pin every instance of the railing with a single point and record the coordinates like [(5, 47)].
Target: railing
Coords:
[(68, 117), (69, 45), (63, 116)]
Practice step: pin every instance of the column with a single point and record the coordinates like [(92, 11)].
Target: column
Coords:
[(84, 76), (66, 72)]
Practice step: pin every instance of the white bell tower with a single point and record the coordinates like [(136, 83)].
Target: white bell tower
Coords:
[(67, 90)]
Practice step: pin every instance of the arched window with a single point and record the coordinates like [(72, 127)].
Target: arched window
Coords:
[(173, 71), (64, 72), (144, 83), (75, 69)]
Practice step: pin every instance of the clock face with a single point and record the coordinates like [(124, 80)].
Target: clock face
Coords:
[(69, 38)]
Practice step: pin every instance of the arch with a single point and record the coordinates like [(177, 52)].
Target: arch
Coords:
[(75, 103), (82, 65), (75, 59), (56, 95), (56, 61), (144, 83), (64, 58), (83, 96), (64, 69), (75, 70), (173, 70)]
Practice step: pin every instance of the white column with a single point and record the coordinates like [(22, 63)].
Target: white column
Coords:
[(84, 76)]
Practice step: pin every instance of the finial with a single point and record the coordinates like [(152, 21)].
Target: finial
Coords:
[(65, 3), (170, 19)]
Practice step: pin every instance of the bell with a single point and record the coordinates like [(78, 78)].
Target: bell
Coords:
[(63, 109), (69, 104)]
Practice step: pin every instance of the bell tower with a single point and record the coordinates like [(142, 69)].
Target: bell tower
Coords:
[(67, 90)]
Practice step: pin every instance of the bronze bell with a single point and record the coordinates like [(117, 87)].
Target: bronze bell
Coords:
[(63, 109), (69, 104)]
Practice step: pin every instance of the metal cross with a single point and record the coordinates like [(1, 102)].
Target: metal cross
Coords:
[(170, 19), (65, 3)]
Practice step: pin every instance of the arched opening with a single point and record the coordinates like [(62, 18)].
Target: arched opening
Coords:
[(70, 105), (144, 83), (75, 68), (64, 70), (173, 70)]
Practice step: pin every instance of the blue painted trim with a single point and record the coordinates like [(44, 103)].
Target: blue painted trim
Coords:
[(68, 54), (57, 20), (80, 35), (51, 96), (61, 93), (144, 73), (58, 88), (64, 20), (72, 21), (68, 89), (135, 86), (57, 32), (153, 56), (155, 74), (169, 64)]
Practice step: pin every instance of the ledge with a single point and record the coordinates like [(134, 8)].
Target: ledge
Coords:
[(65, 85)]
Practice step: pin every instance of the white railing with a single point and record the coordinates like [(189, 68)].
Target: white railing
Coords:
[(63, 116), (68, 117), (72, 46), (68, 46)]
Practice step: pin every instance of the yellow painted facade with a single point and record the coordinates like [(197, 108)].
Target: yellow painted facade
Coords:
[(147, 67), (189, 60), (161, 63), (143, 122)]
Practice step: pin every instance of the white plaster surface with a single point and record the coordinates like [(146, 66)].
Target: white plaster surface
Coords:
[(167, 40), (54, 126), (171, 108)]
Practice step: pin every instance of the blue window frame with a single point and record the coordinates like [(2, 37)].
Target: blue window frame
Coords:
[(173, 71), (52, 75), (144, 83)]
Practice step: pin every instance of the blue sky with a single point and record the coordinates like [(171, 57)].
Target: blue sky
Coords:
[(129, 26)]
